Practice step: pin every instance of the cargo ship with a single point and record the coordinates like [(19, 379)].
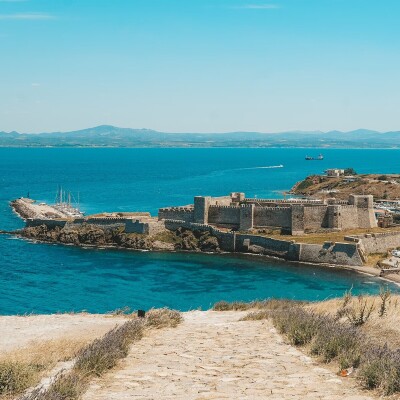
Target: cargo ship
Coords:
[(320, 157)]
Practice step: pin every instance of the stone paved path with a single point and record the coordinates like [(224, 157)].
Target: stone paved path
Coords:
[(212, 355)]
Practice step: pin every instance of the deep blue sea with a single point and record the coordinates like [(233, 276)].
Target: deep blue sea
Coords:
[(43, 278)]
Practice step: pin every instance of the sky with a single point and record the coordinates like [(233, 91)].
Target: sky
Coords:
[(200, 65)]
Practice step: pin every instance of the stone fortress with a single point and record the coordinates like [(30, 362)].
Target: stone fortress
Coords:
[(295, 217)]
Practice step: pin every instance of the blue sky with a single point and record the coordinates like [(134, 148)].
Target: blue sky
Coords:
[(200, 65)]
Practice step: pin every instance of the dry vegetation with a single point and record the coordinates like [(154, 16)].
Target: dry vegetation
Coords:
[(323, 237), (98, 357), (380, 186), (24, 367), (354, 332)]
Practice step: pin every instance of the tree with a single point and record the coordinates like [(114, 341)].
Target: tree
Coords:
[(350, 171)]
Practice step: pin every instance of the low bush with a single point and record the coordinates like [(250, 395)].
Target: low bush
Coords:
[(103, 353), (270, 304), (67, 386), (359, 314), (163, 318), (337, 340), (256, 315), (299, 325), (15, 377), (380, 369)]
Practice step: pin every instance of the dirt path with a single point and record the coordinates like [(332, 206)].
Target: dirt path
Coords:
[(212, 355)]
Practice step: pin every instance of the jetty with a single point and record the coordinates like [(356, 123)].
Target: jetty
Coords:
[(28, 208)]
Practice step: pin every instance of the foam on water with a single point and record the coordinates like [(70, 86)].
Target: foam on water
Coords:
[(37, 277)]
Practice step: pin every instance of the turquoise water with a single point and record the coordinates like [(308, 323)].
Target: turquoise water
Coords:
[(48, 278)]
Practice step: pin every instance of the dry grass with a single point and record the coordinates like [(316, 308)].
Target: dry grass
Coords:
[(373, 259), (24, 367), (353, 331), (368, 184), (320, 238), (382, 329), (163, 318), (103, 354), (264, 305)]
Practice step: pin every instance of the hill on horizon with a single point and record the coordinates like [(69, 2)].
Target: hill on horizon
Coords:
[(112, 136)]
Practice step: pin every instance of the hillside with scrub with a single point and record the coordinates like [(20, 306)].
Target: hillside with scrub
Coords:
[(280, 349), (381, 186)]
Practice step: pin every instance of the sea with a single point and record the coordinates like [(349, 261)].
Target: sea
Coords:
[(50, 278)]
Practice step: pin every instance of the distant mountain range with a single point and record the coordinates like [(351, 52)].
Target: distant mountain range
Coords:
[(111, 136)]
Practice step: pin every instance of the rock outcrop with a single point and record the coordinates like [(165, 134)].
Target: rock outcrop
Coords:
[(91, 235)]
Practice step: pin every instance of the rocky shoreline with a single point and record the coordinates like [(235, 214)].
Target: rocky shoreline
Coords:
[(95, 236)]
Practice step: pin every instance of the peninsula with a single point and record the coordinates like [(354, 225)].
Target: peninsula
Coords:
[(324, 231)]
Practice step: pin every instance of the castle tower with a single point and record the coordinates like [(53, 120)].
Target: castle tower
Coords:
[(201, 206), (246, 217), (297, 219), (365, 210)]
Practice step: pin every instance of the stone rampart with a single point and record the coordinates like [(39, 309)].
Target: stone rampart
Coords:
[(315, 217), (377, 242), (272, 216), (179, 213), (331, 253), (228, 216), (145, 228), (279, 201), (51, 223), (349, 217)]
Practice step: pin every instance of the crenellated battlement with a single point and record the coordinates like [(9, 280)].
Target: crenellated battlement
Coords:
[(294, 215), (224, 207)]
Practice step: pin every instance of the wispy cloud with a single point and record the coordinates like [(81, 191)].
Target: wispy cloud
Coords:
[(35, 84), (259, 6), (27, 16)]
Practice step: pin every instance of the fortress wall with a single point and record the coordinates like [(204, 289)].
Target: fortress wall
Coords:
[(267, 245), (315, 217), (51, 223), (283, 202), (221, 201), (297, 223), (246, 217), (179, 213), (137, 227), (272, 216), (103, 220), (224, 215), (144, 228), (366, 218), (331, 253), (378, 242), (348, 217)]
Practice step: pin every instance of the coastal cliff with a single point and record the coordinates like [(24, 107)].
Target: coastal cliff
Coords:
[(91, 235)]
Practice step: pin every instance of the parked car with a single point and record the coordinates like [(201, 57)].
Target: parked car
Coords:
[(396, 253)]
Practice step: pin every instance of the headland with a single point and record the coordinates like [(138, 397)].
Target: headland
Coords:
[(328, 231)]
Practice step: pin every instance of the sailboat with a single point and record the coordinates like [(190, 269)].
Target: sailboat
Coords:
[(64, 203)]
